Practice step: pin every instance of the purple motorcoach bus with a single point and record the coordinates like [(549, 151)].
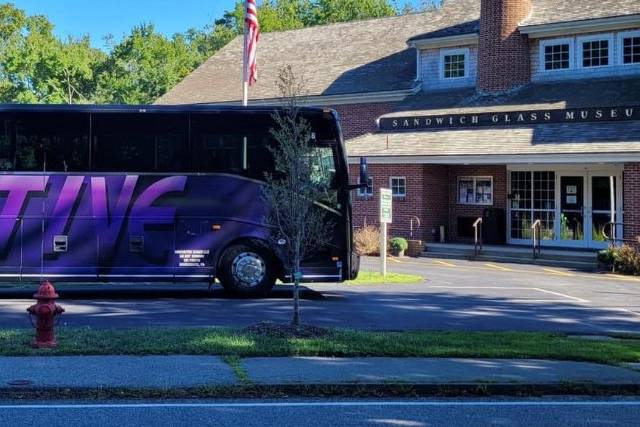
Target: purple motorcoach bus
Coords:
[(156, 193)]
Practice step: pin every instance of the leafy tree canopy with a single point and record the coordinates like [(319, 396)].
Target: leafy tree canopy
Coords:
[(38, 67)]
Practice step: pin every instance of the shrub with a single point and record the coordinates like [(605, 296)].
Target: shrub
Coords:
[(627, 260), (399, 244), (367, 240), (608, 256)]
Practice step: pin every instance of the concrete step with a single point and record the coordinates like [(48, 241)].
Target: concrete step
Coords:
[(574, 265), (578, 259), (588, 258)]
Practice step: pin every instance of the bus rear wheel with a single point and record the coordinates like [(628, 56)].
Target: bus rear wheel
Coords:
[(247, 270)]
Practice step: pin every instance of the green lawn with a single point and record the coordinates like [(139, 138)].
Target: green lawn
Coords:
[(236, 343), (374, 278)]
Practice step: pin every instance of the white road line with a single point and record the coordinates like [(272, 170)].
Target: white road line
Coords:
[(320, 404), (565, 296), (561, 295)]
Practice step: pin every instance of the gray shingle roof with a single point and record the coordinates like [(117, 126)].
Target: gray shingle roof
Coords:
[(551, 11), (600, 92), (354, 57), (470, 27), (550, 138), (547, 139), (359, 57)]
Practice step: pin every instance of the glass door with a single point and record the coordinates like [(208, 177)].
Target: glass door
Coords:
[(572, 209), (601, 206)]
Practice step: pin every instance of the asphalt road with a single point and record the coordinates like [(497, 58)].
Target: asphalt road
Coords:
[(456, 295), (451, 413)]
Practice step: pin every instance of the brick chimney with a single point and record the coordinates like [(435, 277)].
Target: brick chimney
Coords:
[(503, 56)]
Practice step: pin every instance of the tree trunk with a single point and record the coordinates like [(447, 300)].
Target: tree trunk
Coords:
[(296, 297)]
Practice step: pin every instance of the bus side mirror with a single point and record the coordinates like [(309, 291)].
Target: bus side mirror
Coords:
[(364, 175)]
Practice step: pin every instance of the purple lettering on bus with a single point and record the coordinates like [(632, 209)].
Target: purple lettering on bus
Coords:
[(107, 225), (17, 187), (143, 212), (62, 210)]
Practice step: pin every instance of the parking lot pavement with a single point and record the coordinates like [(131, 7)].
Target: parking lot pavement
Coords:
[(455, 295)]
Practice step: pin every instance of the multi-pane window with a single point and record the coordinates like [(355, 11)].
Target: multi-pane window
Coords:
[(557, 56), (366, 191), (595, 53), (453, 64), (475, 190), (532, 197), (398, 186), (631, 49)]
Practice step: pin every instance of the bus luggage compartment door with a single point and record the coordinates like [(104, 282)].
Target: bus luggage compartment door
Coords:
[(70, 252), (142, 251)]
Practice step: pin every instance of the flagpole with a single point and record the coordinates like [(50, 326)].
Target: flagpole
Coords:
[(245, 83), (245, 71)]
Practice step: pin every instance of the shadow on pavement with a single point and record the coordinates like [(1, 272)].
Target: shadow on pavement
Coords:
[(137, 291), (376, 309)]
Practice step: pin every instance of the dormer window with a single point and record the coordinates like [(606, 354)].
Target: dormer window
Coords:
[(453, 63), (595, 51), (630, 47), (556, 54)]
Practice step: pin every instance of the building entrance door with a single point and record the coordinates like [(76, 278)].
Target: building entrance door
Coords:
[(573, 205), (572, 210)]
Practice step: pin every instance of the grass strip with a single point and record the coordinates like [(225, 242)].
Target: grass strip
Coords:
[(338, 343), (235, 363), (374, 278)]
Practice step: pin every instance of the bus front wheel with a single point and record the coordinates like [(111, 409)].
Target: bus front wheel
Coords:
[(247, 270)]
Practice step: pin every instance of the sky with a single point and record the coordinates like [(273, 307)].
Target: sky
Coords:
[(98, 18)]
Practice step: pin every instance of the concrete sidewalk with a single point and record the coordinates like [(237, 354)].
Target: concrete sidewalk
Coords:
[(184, 372)]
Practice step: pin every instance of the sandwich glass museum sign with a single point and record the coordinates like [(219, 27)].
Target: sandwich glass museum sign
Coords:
[(509, 118)]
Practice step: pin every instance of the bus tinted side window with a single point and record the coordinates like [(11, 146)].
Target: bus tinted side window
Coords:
[(140, 143), (7, 145), (217, 142), (52, 142)]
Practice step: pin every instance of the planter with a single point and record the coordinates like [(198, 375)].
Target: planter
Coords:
[(395, 252), (415, 248)]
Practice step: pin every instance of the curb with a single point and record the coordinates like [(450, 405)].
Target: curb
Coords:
[(350, 389)]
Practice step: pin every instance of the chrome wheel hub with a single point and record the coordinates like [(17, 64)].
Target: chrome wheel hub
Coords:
[(248, 268)]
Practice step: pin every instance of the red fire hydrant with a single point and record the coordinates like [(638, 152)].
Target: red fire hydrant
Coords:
[(46, 310)]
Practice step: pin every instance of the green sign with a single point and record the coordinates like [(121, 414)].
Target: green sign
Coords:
[(386, 210)]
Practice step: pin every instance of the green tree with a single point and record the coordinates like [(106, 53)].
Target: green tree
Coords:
[(299, 225), (144, 65), (280, 15), (36, 67), (329, 11)]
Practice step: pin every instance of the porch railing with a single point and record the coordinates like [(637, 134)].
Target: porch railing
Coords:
[(535, 238), (610, 232), (477, 237)]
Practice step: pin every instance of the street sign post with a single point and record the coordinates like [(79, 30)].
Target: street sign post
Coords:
[(386, 216)]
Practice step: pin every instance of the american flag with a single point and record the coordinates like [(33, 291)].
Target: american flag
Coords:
[(251, 36)]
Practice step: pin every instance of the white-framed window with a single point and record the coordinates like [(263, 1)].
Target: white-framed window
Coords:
[(556, 54), (366, 191), (454, 63), (398, 186), (595, 51), (629, 48), (475, 190)]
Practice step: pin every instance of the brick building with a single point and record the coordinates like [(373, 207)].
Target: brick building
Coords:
[(511, 110)]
